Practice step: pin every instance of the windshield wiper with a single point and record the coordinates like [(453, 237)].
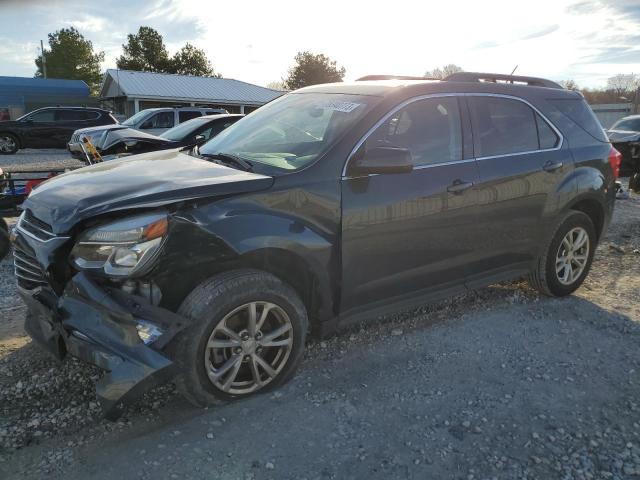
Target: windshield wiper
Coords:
[(229, 158)]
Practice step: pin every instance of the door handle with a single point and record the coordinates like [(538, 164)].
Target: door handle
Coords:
[(458, 186), (551, 166)]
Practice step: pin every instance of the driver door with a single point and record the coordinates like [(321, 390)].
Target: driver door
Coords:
[(404, 234)]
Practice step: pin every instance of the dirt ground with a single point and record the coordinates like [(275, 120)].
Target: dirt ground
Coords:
[(496, 383)]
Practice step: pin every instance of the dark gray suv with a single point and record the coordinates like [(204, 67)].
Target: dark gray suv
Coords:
[(331, 205)]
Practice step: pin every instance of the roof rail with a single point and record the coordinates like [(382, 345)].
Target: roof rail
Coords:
[(496, 77), (391, 77)]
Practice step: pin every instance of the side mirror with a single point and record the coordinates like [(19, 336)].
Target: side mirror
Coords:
[(199, 139), (381, 160), (28, 120)]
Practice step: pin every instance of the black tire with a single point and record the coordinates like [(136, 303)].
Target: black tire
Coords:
[(544, 277), (5, 244), (12, 138), (208, 304), (634, 182)]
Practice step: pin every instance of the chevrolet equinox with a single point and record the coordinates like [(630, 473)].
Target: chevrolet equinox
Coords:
[(331, 205)]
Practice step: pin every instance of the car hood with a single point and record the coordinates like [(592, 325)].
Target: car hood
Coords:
[(114, 137), (623, 136), (147, 180), (100, 128)]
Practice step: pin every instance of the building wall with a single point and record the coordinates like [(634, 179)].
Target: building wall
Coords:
[(609, 113)]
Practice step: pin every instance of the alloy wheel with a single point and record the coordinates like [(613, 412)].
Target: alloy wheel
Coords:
[(7, 144), (248, 348), (572, 256)]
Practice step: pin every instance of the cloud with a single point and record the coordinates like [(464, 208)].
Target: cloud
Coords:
[(541, 33)]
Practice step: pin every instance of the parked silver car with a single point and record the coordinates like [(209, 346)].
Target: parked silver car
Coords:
[(151, 120)]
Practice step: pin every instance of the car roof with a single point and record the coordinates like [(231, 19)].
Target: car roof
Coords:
[(74, 107), (629, 117), (410, 88)]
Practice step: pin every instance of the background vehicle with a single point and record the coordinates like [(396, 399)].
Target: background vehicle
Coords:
[(49, 127), (153, 121), (625, 137), (331, 205), (188, 134)]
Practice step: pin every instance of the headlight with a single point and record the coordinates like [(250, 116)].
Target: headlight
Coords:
[(122, 248)]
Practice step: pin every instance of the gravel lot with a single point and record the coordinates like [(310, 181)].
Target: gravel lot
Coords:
[(34, 159), (496, 383)]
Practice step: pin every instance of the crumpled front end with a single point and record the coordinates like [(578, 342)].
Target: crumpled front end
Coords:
[(121, 333)]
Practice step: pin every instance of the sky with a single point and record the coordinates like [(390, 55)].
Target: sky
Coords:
[(256, 41)]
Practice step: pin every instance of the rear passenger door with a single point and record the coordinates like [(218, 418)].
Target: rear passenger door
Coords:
[(410, 233), (521, 161), (67, 122)]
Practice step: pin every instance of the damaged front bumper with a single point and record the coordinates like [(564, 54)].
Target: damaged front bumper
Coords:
[(100, 325)]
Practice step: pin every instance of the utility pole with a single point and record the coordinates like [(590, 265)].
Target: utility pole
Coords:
[(44, 60)]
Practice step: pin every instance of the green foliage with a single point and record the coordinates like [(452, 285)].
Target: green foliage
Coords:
[(311, 69), (145, 51), (71, 56), (192, 61)]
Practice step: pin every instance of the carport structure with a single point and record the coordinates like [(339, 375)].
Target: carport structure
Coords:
[(126, 92)]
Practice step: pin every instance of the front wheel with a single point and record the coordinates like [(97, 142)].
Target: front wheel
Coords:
[(634, 182), (247, 336), (8, 144), (566, 261), (5, 244)]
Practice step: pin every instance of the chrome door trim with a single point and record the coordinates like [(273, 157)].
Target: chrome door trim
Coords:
[(438, 95)]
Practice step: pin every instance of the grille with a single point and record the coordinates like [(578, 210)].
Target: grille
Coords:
[(27, 269), (75, 138), (36, 228)]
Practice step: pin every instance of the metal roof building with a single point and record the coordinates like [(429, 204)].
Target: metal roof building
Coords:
[(126, 92), (19, 95)]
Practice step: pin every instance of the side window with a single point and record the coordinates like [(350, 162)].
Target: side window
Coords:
[(44, 116), (159, 120), (70, 115), (430, 129), (92, 115), (502, 126), (546, 136), (183, 116), (215, 129)]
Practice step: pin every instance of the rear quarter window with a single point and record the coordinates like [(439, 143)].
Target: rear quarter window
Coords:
[(577, 110)]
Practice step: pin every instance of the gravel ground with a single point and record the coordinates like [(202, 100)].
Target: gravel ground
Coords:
[(38, 159), (496, 383)]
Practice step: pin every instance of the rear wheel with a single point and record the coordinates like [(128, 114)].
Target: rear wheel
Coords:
[(8, 144), (5, 244), (634, 182), (564, 265), (247, 336)]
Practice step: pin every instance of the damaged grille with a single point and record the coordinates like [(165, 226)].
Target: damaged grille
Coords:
[(36, 228), (27, 269)]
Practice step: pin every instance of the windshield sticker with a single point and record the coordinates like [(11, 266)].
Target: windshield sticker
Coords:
[(337, 106)]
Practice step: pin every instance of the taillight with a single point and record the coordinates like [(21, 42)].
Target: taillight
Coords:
[(615, 159)]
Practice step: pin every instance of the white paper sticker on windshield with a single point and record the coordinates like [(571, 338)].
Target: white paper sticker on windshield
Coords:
[(337, 106)]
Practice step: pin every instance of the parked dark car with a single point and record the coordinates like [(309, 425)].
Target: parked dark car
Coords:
[(49, 127), (625, 137), (188, 134), (331, 205), (152, 121)]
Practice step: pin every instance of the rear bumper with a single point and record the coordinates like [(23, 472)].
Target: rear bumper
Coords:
[(75, 150), (99, 327)]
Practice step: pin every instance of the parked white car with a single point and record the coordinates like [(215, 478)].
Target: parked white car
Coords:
[(152, 120)]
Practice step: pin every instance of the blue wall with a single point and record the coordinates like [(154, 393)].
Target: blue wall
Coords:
[(26, 94)]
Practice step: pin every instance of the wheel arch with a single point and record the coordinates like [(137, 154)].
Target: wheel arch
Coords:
[(15, 135), (594, 209), (311, 284)]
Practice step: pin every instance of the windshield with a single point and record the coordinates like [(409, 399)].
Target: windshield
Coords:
[(292, 131), (629, 124), (183, 130), (131, 121)]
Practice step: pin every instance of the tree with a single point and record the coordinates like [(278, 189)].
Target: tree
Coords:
[(144, 52), (277, 85), (623, 85), (191, 61), (71, 56), (570, 84), (311, 69), (443, 72)]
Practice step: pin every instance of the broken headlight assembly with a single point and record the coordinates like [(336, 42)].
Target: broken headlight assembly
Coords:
[(123, 248)]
